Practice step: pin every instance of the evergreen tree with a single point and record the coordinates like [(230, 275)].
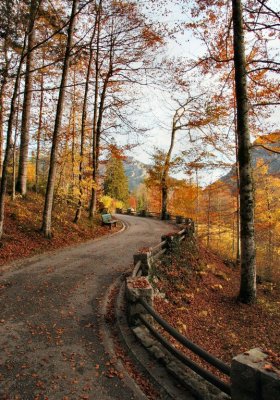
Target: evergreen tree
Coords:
[(115, 182)]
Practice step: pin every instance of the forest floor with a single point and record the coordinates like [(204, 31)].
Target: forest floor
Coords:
[(198, 295), (23, 218)]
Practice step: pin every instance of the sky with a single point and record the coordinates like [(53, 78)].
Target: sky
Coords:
[(158, 108)]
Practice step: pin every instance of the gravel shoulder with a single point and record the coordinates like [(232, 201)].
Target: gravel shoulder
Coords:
[(49, 325)]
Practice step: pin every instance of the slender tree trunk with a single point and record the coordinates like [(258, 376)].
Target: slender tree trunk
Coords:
[(164, 199), (97, 116), (96, 146), (219, 221), (9, 140), (47, 214), (247, 292), (2, 97), (21, 185), (73, 132), (83, 129), (93, 200), (237, 258), (15, 151), (197, 199), (166, 168), (208, 217), (39, 133), (269, 248)]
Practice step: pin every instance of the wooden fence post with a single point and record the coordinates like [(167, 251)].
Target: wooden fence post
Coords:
[(146, 261)]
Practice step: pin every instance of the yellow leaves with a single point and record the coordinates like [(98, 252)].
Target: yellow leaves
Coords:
[(217, 287), (182, 326), (111, 203), (31, 167), (203, 313), (182, 308), (201, 273), (187, 298)]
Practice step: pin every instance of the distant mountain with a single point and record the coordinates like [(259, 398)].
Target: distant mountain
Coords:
[(258, 153), (135, 172), (271, 159)]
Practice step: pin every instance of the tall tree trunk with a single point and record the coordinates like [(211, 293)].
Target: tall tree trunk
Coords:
[(93, 200), (208, 217), (197, 199), (47, 214), (166, 168), (15, 151), (83, 128), (2, 91), (21, 185), (237, 257), (247, 293), (98, 113), (39, 134), (73, 132), (269, 247), (2, 96), (96, 141), (9, 140)]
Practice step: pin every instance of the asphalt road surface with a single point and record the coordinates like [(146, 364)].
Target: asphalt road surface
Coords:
[(51, 346)]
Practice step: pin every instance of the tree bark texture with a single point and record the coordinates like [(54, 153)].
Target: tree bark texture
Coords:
[(2, 97), (166, 168), (93, 199), (9, 140), (83, 128), (15, 150), (39, 134), (2, 93), (47, 214), (96, 143), (247, 292), (21, 185)]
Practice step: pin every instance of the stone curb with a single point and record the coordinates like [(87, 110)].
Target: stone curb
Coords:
[(168, 387), (194, 387), (108, 342)]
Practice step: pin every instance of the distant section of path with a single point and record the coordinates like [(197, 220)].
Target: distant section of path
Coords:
[(51, 348)]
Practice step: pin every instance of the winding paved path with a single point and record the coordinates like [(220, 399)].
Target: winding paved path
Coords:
[(51, 348)]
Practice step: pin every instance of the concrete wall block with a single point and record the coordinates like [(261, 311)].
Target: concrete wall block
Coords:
[(157, 352), (139, 287), (144, 336), (270, 383), (250, 378), (136, 288), (243, 375)]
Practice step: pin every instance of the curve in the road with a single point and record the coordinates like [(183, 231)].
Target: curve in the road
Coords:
[(49, 327)]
